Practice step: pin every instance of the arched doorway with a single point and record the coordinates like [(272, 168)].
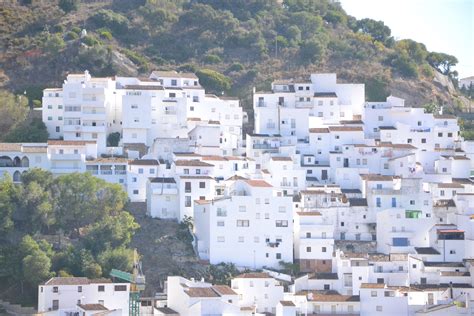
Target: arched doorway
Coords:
[(17, 162), (6, 161), (25, 162), (17, 176)]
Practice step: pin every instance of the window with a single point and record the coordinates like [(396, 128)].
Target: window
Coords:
[(380, 118), (323, 249), (186, 171), (79, 289), (278, 255), (327, 287), (373, 293), (120, 288), (140, 170), (57, 129), (241, 239), (101, 288), (281, 223), (242, 208), (450, 134), (50, 118), (94, 135), (187, 187), (378, 202), (174, 82), (55, 304), (282, 209), (202, 185), (220, 239), (423, 140), (242, 223), (308, 249), (187, 201), (195, 98), (378, 308), (308, 235), (440, 134), (134, 106), (55, 289)]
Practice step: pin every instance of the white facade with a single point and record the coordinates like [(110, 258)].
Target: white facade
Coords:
[(64, 294)]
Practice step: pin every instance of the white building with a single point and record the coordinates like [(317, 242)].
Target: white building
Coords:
[(228, 229), (63, 295)]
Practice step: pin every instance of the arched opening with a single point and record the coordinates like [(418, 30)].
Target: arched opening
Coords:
[(17, 162), (17, 176), (6, 161), (25, 162)]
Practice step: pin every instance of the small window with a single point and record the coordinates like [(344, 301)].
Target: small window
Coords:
[(101, 288), (120, 288)]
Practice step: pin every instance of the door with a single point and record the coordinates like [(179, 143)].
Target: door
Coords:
[(324, 174)]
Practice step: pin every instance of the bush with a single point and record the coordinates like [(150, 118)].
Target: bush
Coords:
[(427, 71), (54, 44), (236, 67), (116, 22), (214, 81), (90, 40), (106, 35), (68, 5), (113, 139), (37, 103), (28, 132), (311, 51), (70, 36), (403, 64), (212, 59), (76, 30)]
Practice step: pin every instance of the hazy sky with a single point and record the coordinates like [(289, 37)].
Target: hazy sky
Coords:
[(442, 25)]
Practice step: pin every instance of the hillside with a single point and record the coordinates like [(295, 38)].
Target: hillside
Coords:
[(250, 42)]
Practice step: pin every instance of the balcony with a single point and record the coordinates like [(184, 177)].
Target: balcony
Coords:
[(93, 116), (94, 129), (81, 157), (170, 112), (264, 146), (65, 170), (273, 244)]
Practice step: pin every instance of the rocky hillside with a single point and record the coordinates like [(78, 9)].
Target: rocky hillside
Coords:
[(247, 42)]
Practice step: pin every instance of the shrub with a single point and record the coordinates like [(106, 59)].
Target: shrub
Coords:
[(236, 67), (106, 35), (76, 30), (212, 59), (68, 5), (90, 40), (214, 81), (311, 51), (116, 22), (71, 36)]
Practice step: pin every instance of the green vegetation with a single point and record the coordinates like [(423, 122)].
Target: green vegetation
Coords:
[(15, 125), (243, 42), (213, 81), (70, 225), (68, 5)]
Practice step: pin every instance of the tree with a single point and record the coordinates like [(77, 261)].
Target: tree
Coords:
[(118, 258), (28, 132), (7, 204), (13, 111), (68, 5), (214, 81), (54, 44), (82, 199), (36, 268), (35, 208), (377, 29), (111, 232), (441, 61), (431, 108), (113, 139), (312, 51)]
